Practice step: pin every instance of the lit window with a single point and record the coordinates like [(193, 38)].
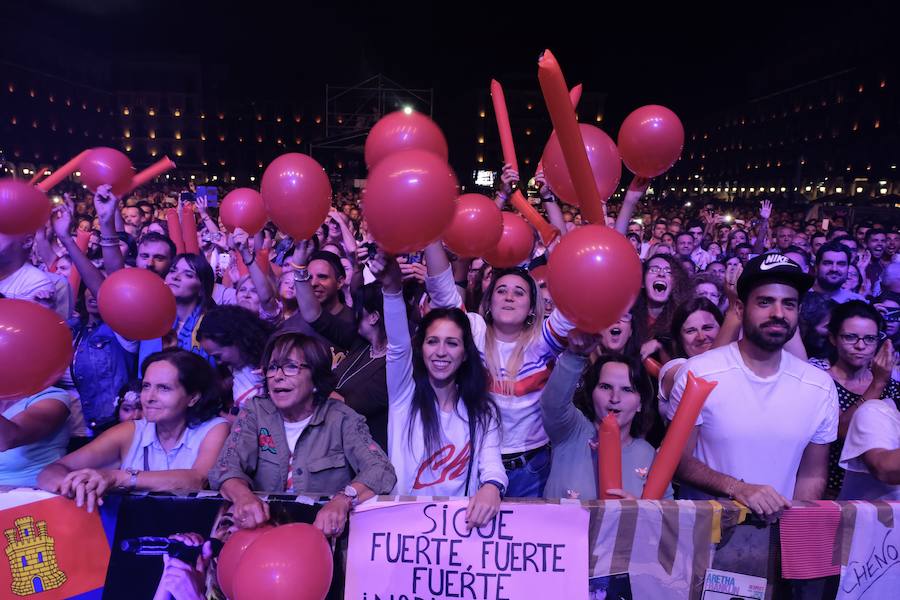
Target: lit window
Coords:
[(177, 112), (151, 112), (177, 135), (125, 111)]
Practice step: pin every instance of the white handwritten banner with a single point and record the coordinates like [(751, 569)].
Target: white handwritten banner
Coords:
[(872, 570), (422, 551)]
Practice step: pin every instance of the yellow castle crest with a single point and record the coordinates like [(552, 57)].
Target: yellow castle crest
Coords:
[(32, 558)]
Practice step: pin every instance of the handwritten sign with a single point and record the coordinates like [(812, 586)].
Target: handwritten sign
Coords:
[(873, 567), (423, 551)]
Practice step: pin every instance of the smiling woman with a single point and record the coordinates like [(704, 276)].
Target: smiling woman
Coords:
[(296, 438), (171, 449)]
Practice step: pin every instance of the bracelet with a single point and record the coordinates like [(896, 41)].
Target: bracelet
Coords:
[(502, 196), (730, 491), (105, 244), (251, 261), (109, 238), (295, 266)]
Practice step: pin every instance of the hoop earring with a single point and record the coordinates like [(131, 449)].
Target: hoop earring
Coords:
[(529, 320)]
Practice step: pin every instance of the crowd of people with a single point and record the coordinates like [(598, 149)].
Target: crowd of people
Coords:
[(325, 366)]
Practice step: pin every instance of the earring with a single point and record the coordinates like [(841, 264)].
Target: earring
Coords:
[(529, 320)]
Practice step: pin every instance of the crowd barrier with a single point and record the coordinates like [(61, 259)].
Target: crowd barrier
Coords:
[(417, 548)]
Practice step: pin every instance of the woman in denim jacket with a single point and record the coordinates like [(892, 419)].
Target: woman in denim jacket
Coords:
[(297, 439), (104, 361)]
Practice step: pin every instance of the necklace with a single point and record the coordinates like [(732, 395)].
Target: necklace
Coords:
[(348, 375)]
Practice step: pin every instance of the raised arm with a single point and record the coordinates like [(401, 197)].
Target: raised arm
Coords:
[(636, 191), (765, 211), (548, 199), (559, 414), (264, 288), (91, 275)]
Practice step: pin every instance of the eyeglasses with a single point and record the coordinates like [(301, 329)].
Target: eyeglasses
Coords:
[(656, 270), (852, 339), (289, 369)]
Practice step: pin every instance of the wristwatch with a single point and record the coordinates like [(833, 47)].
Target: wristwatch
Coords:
[(351, 493), (497, 485), (302, 275)]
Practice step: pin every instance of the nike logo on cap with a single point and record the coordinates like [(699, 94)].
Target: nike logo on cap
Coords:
[(775, 260)]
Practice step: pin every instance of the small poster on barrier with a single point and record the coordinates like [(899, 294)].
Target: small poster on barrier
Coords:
[(725, 585), (423, 550)]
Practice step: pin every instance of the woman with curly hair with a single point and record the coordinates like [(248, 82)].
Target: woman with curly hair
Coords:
[(235, 338), (665, 288)]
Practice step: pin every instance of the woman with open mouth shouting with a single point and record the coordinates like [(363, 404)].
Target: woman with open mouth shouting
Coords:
[(443, 427), (616, 385), (665, 288), (517, 345)]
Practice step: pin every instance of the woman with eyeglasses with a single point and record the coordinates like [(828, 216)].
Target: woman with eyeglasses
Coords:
[(295, 439), (665, 287), (517, 346), (857, 372)]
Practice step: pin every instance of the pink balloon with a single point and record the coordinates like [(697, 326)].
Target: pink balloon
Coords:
[(123, 291), (410, 199), (106, 166), (243, 208), (651, 139), (35, 348), (515, 245), (602, 154), (594, 276), (289, 562), (23, 208), (476, 227), (400, 131), (297, 194)]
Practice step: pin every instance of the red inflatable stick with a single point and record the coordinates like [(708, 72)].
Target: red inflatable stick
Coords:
[(189, 229), (609, 457), (562, 114), (38, 174), (547, 231), (652, 366), (82, 240), (151, 173), (574, 98), (175, 230), (61, 173), (695, 393), (506, 139)]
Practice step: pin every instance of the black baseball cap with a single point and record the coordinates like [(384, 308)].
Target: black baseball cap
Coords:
[(773, 268)]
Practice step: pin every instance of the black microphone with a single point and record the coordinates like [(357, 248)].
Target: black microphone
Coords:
[(157, 546)]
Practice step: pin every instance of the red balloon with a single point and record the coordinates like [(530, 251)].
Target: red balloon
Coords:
[(476, 227), (137, 304), (539, 274), (106, 166), (410, 199), (289, 562), (602, 154), (594, 276), (400, 131), (516, 243), (23, 208), (650, 140), (297, 194), (231, 554), (35, 348), (243, 208)]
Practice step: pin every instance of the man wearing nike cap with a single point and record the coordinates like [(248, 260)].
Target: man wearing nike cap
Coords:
[(762, 437)]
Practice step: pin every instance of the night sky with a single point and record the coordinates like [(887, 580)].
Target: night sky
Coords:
[(695, 60)]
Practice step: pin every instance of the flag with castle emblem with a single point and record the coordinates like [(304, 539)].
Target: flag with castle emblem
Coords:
[(54, 550)]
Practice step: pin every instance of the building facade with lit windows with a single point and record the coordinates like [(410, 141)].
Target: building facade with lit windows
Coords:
[(835, 135)]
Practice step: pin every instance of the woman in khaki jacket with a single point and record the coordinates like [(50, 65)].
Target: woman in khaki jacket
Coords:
[(297, 439)]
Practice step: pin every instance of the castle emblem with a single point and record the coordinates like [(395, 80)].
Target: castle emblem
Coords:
[(32, 558)]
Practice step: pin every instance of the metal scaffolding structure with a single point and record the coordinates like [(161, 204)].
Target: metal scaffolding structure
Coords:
[(350, 112)]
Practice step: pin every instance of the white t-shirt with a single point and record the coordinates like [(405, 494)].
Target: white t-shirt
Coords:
[(246, 383), (876, 424), (28, 282), (293, 431), (757, 428)]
